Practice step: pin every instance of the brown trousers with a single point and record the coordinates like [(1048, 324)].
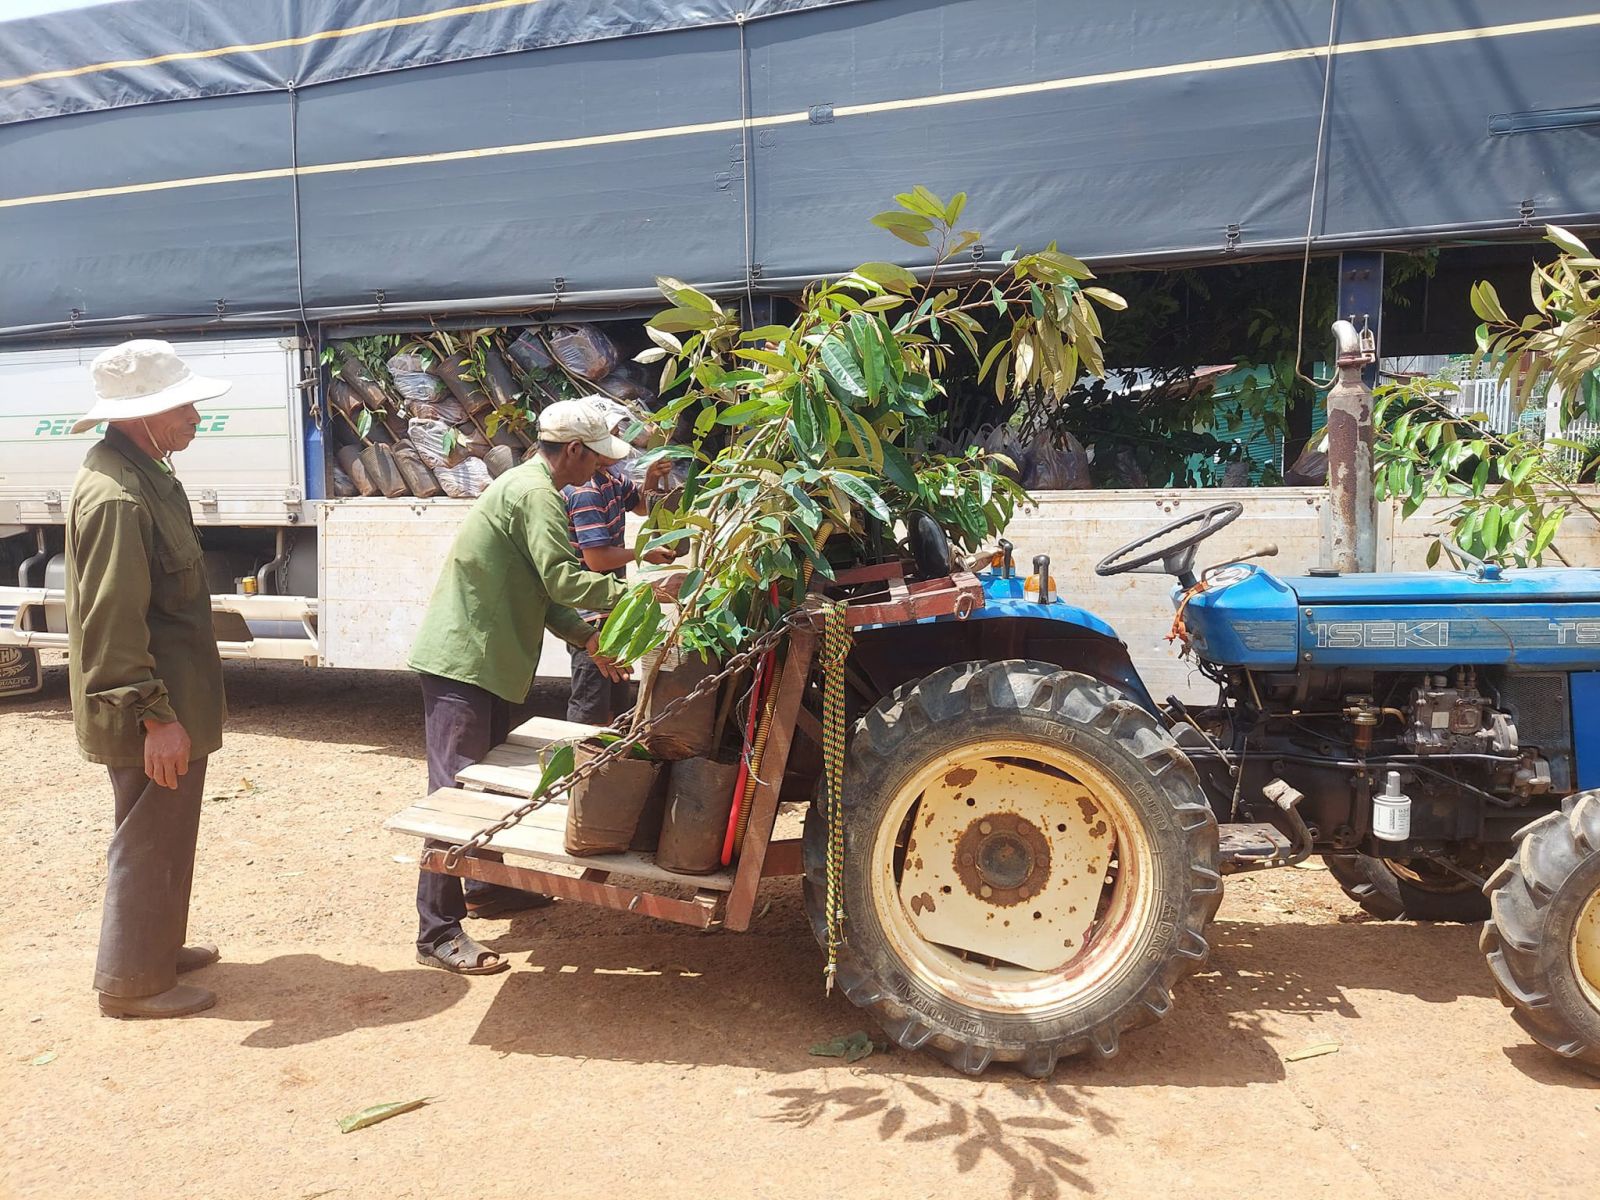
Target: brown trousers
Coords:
[(149, 870)]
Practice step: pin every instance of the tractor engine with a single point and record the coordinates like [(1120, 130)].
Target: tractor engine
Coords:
[(1456, 718)]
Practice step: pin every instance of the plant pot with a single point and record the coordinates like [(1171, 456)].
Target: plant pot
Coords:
[(687, 732), (603, 810), (699, 799)]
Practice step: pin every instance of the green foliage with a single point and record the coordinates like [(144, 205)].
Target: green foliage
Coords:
[(799, 458), (1509, 495), (1559, 340)]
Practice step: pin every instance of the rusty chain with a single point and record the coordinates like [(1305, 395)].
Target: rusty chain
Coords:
[(767, 641)]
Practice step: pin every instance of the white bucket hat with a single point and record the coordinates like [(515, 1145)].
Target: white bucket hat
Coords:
[(579, 421), (142, 378)]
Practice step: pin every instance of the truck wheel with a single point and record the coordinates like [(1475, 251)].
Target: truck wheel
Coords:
[(1029, 866), (1390, 888), (1542, 938)]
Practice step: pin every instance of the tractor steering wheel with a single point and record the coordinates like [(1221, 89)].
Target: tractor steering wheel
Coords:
[(1176, 557)]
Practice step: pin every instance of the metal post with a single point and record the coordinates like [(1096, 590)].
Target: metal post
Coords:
[(1351, 544), (1361, 301)]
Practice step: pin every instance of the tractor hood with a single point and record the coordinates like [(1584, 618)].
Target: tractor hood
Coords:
[(1452, 587), (1248, 617)]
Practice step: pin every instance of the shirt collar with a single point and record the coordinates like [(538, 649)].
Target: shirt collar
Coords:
[(153, 472)]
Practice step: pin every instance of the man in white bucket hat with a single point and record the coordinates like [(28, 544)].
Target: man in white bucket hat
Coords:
[(146, 680)]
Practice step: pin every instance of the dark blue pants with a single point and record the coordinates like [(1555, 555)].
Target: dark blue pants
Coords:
[(461, 724)]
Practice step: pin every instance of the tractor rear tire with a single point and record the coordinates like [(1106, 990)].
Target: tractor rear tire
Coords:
[(1542, 939), (1388, 894), (1093, 759)]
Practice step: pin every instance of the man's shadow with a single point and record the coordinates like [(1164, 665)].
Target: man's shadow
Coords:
[(307, 998)]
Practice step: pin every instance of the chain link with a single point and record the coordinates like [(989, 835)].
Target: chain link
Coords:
[(767, 641)]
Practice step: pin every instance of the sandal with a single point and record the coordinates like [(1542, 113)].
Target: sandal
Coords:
[(505, 903), (462, 956)]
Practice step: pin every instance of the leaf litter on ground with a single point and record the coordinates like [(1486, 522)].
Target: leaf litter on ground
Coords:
[(379, 1112), (852, 1047)]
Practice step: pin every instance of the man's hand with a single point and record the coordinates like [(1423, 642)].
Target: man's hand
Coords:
[(166, 752), (660, 556), (667, 587), (614, 671), (656, 473)]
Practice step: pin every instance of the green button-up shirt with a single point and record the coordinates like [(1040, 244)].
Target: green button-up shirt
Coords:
[(511, 572), (138, 609)]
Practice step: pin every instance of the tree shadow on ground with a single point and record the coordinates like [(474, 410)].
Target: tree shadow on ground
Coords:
[(306, 998), (914, 1113), (588, 985)]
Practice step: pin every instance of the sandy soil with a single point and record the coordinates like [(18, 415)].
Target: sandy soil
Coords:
[(622, 1056)]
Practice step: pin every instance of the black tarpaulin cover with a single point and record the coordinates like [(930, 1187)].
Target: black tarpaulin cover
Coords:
[(157, 167)]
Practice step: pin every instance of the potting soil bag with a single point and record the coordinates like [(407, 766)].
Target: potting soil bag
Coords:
[(468, 391), (343, 485), (464, 482), (383, 470), (428, 438), (528, 352), (411, 379), (358, 377), (419, 480), (499, 460), (1054, 468), (1001, 439), (350, 459), (497, 377), (583, 350)]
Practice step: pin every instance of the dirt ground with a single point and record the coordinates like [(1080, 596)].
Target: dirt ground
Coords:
[(622, 1056)]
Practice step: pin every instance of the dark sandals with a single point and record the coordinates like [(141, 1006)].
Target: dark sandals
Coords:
[(504, 904), (463, 956)]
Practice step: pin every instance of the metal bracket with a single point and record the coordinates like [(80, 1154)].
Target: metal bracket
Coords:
[(978, 251), (379, 295), (1233, 234), (1527, 212), (222, 308), (208, 496)]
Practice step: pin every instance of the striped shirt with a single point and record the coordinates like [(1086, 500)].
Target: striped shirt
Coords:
[(597, 514)]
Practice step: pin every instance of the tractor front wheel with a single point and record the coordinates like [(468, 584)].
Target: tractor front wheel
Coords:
[(1029, 866), (1542, 938), (1416, 889)]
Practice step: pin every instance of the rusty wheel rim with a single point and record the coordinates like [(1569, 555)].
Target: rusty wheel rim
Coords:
[(1586, 949), (991, 858)]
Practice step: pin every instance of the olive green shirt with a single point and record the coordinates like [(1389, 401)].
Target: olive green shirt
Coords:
[(138, 609), (511, 572)]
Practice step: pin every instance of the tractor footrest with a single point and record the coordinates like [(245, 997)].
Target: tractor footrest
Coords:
[(1249, 846)]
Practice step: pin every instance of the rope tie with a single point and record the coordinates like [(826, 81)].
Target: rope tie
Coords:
[(835, 650)]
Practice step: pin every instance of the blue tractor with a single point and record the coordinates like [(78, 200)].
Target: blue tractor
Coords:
[(1033, 845)]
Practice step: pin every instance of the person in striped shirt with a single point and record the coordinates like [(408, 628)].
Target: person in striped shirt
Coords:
[(597, 513)]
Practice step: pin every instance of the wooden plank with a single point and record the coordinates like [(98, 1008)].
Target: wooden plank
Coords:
[(538, 836), (764, 804), (514, 770), (539, 732), (699, 911), (488, 807)]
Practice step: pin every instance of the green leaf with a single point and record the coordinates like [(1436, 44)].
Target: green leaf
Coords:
[(449, 442), (862, 493), (1434, 549), (897, 470), (852, 1047), (1566, 241), (684, 296), (768, 358), (379, 1112), (842, 367), (557, 761), (953, 210), (908, 227), (682, 320), (889, 275), (865, 438), (804, 415), (364, 423), (650, 354), (1107, 297)]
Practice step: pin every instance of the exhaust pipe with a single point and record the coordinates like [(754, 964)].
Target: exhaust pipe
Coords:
[(1351, 544)]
